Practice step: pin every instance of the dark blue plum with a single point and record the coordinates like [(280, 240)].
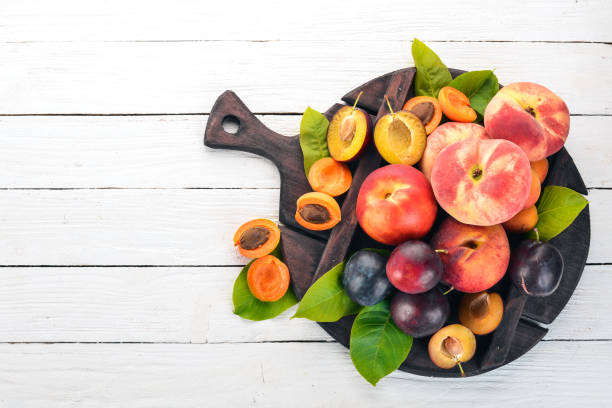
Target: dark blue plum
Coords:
[(365, 278), (420, 315), (536, 268)]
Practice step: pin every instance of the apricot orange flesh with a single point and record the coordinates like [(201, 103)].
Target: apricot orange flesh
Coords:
[(317, 211), (451, 345), (522, 222), (257, 238), (329, 176), (348, 133), (268, 278), (455, 105), (481, 312), (427, 109)]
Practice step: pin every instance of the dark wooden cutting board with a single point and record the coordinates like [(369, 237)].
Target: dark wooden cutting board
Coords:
[(310, 254)]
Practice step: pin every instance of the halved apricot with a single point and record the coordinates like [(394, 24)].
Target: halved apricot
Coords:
[(257, 238), (522, 222), (481, 312), (348, 133), (329, 176), (317, 211), (427, 109), (400, 138), (455, 105), (268, 278), (541, 168)]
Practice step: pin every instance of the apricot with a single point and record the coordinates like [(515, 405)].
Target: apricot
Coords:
[(541, 168), (522, 222), (534, 190), (257, 238), (317, 211), (452, 345), (455, 105), (427, 109), (329, 176), (481, 312), (268, 278)]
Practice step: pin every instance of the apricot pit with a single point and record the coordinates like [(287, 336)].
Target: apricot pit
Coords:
[(257, 238), (317, 211)]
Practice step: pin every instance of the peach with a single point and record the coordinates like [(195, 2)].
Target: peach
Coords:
[(475, 258), (444, 135), (481, 181), (481, 312), (522, 222), (452, 345), (395, 204), (529, 115)]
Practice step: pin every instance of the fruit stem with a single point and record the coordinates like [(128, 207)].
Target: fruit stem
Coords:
[(537, 234), (389, 105), (448, 291), (441, 251), (357, 100), (460, 367)]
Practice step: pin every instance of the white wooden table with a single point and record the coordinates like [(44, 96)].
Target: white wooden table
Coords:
[(116, 222)]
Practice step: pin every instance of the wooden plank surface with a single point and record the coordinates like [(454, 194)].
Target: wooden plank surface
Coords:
[(192, 305), (273, 76), (256, 375), (469, 20), (160, 227), (167, 152)]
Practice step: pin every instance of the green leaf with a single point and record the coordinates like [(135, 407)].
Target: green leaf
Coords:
[(557, 208), (313, 137), (478, 86), (378, 346), (326, 300), (431, 74), (249, 307)]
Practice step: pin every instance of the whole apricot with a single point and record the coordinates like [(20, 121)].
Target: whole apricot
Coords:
[(534, 190), (541, 168), (522, 222), (481, 312)]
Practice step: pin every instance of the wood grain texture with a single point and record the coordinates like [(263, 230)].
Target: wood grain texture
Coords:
[(167, 152), (193, 305), (101, 375), (160, 227), (140, 20), (276, 76)]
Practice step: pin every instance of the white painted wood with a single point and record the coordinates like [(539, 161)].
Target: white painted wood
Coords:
[(160, 227), (167, 152), (193, 305), (117, 20), (277, 76), (273, 375)]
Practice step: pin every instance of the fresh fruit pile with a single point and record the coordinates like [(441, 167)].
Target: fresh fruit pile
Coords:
[(486, 179)]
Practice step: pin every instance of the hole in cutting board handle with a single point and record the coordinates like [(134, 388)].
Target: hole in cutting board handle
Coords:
[(231, 124)]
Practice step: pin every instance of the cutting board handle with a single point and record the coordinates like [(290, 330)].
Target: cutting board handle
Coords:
[(251, 135)]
